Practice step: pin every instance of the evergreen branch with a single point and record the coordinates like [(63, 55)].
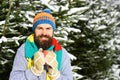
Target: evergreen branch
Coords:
[(8, 14)]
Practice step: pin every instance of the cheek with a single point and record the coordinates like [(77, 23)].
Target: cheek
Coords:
[(37, 33), (51, 34)]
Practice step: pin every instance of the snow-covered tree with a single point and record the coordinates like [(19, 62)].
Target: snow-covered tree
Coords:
[(96, 53), (115, 14), (16, 22), (88, 29)]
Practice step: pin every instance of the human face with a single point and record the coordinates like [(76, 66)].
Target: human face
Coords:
[(43, 35)]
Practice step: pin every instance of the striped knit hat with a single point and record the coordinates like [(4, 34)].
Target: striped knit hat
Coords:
[(44, 17)]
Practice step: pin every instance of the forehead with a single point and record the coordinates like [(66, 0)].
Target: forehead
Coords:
[(45, 25)]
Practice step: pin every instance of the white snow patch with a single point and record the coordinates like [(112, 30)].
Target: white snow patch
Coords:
[(3, 39)]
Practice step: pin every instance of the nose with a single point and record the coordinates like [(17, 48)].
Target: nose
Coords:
[(44, 32)]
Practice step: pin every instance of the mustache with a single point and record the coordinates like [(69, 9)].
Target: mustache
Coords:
[(46, 36)]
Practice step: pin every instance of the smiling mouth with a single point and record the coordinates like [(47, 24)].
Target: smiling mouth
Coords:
[(44, 38)]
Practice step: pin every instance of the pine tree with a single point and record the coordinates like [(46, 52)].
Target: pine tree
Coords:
[(19, 23), (115, 11), (84, 27), (14, 27), (4, 50), (95, 53)]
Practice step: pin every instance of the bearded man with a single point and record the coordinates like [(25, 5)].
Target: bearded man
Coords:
[(41, 57)]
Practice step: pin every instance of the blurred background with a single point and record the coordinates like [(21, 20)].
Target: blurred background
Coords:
[(88, 29)]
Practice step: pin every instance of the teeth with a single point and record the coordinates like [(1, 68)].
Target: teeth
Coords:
[(44, 38)]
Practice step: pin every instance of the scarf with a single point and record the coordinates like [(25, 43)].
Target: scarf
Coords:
[(31, 48)]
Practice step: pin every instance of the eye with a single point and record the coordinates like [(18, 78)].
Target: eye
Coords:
[(49, 28), (39, 28)]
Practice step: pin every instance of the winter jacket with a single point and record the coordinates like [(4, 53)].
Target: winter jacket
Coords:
[(20, 72)]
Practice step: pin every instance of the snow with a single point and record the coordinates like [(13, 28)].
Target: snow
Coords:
[(3, 39), (77, 10), (26, 25), (10, 50), (62, 38), (55, 8), (4, 62), (73, 29), (72, 57), (25, 3), (27, 14), (2, 22), (100, 27), (94, 23), (117, 41), (64, 32), (18, 38), (75, 75), (115, 2), (116, 71)]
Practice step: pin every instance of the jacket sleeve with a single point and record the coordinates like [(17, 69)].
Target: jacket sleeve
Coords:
[(19, 70), (65, 72)]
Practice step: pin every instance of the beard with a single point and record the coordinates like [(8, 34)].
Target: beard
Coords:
[(44, 44)]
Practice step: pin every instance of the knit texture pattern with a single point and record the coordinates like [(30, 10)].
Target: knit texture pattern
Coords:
[(44, 17)]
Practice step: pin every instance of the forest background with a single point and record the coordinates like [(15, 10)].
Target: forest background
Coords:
[(88, 29)]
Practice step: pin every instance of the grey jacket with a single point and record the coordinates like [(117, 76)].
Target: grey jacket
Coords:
[(19, 71)]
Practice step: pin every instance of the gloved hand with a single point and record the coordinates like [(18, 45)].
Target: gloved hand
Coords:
[(39, 61), (50, 60)]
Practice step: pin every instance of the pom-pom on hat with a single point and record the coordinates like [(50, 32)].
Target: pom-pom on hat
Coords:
[(44, 17)]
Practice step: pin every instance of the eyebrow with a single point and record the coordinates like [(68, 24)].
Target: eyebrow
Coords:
[(43, 26)]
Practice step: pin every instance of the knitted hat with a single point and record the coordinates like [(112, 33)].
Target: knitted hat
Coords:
[(44, 17)]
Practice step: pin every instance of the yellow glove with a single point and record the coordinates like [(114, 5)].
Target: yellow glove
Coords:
[(39, 62), (50, 60)]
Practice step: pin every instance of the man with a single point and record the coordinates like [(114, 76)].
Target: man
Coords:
[(41, 57)]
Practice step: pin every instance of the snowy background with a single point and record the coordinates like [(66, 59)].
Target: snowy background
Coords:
[(88, 29)]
